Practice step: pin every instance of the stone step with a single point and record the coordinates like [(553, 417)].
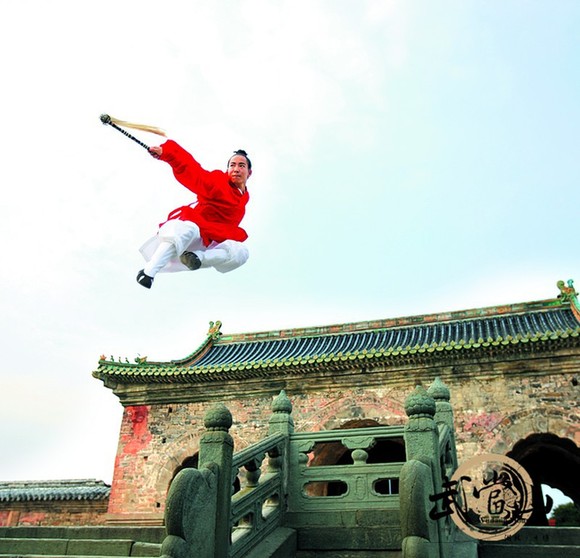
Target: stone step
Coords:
[(77, 547), (535, 542), (528, 551), (142, 549), (544, 536), (143, 534), (33, 546), (47, 556), (279, 544), (155, 554), (349, 554)]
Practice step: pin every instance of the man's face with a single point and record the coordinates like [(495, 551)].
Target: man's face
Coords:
[(238, 170)]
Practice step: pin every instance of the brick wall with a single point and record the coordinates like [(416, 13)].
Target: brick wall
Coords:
[(47, 513)]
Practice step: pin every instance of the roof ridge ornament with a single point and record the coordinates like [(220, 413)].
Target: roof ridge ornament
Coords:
[(567, 291), (214, 330), (568, 294)]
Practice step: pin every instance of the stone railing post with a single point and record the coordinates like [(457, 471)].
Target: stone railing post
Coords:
[(419, 477), (217, 446), (444, 414), (421, 436), (282, 421)]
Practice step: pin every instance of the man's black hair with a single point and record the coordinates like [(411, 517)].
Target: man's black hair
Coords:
[(243, 154)]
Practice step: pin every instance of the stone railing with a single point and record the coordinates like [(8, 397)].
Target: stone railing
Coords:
[(426, 525), (258, 507), (203, 517), (343, 490), (379, 494), (356, 483)]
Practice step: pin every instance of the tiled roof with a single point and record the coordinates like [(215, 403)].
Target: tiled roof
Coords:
[(30, 491), (515, 327)]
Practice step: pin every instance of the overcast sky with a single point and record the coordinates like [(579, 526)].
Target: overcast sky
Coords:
[(409, 157)]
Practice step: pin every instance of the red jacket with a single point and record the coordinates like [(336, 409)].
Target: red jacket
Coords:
[(220, 206)]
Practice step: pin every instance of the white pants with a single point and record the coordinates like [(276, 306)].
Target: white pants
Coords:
[(175, 237)]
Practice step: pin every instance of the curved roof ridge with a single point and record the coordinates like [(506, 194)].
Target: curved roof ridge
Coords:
[(392, 323), (515, 327), (66, 489)]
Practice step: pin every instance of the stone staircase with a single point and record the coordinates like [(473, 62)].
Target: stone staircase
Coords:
[(107, 542), (104, 541), (97, 541), (349, 554), (535, 542)]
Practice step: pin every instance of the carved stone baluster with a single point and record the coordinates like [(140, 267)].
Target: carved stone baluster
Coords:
[(359, 456), (253, 471), (276, 458)]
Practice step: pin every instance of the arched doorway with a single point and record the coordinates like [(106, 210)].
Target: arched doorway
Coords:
[(550, 460)]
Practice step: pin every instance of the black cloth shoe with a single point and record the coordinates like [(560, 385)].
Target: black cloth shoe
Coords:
[(190, 260), (144, 280)]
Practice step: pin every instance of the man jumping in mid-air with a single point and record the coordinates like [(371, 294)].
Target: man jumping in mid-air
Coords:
[(205, 233)]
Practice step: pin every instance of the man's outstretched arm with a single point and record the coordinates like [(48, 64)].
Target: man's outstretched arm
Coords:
[(185, 168)]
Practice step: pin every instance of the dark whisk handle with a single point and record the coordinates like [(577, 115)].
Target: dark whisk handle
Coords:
[(106, 119)]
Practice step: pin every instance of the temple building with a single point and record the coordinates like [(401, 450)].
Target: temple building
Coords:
[(513, 372), (334, 440)]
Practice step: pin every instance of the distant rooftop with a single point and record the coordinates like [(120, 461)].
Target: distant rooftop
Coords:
[(31, 491)]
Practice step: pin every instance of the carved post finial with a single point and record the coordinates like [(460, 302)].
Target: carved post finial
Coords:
[(281, 419), (218, 418), (439, 391), (419, 404), (282, 403)]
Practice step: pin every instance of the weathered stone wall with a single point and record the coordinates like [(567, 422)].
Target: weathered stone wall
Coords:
[(47, 513), (492, 412), (154, 442), (493, 415)]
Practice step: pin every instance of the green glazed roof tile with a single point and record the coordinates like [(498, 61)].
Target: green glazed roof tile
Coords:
[(430, 336)]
